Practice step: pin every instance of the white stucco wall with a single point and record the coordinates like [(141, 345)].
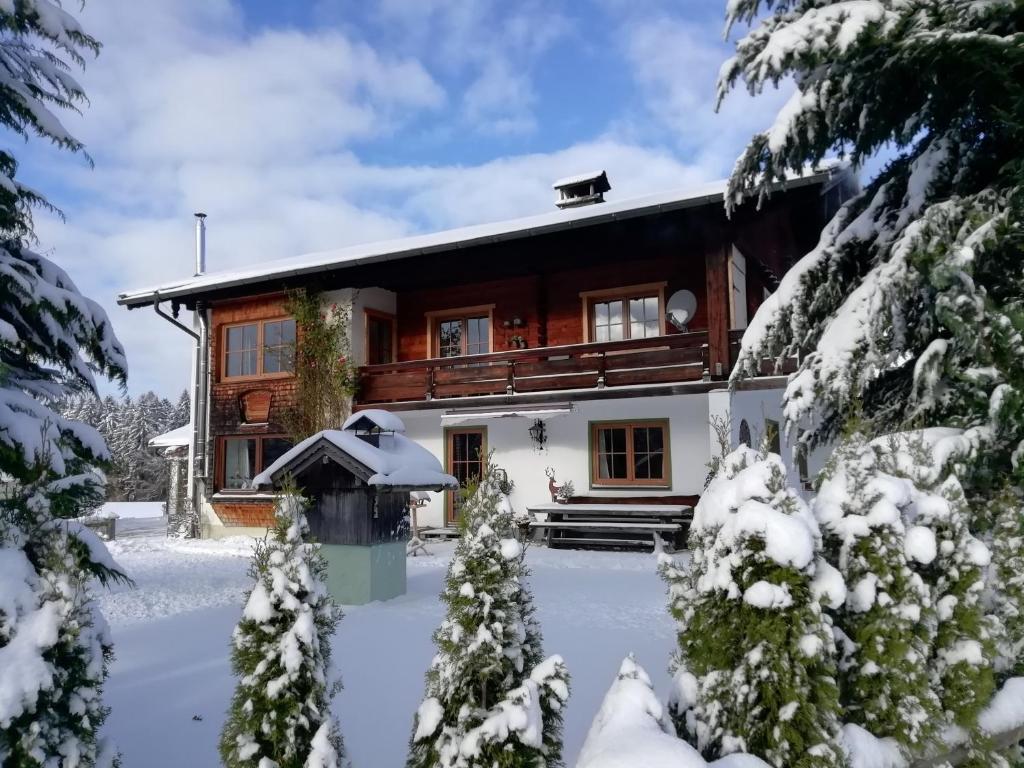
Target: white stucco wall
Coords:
[(367, 298), (758, 406), (568, 447)]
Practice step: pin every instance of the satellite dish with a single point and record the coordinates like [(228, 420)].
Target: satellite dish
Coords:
[(682, 306)]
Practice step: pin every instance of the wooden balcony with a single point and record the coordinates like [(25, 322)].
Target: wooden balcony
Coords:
[(658, 360)]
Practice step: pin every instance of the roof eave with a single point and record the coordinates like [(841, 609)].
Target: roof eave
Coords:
[(149, 297)]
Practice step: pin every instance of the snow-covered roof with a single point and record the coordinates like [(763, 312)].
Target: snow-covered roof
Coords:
[(173, 439), (397, 462), (579, 178), (464, 237), (381, 419)]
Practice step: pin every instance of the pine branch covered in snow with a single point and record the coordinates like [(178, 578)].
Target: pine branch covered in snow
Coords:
[(963, 653), (756, 670), (909, 310), (1006, 580), (887, 623), (280, 713), (491, 698), (54, 645)]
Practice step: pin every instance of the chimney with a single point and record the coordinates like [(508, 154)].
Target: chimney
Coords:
[(582, 189), (200, 243)]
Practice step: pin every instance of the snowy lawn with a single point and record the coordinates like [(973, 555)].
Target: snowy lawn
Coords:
[(172, 632)]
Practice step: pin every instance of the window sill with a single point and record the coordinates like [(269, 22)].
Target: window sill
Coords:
[(255, 377), (241, 494), (630, 486)]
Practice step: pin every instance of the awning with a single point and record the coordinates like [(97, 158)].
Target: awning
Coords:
[(543, 412)]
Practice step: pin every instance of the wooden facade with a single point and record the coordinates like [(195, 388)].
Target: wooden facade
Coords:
[(536, 292)]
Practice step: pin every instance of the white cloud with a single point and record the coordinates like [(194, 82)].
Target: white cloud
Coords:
[(676, 64), (500, 101), (263, 131)]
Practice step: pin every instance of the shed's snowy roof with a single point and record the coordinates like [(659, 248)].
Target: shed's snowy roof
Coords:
[(384, 420), (173, 439), (396, 462), (453, 239)]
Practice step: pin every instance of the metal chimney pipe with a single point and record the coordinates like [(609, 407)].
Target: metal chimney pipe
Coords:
[(200, 243)]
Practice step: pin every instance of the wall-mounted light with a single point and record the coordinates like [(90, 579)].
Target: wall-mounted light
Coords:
[(539, 434)]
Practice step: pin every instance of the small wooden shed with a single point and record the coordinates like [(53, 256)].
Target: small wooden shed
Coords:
[(358, 480)]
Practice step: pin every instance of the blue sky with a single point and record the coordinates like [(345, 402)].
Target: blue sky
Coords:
[(303, 126)]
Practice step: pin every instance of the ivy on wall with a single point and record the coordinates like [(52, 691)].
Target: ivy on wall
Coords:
[(325, 376)]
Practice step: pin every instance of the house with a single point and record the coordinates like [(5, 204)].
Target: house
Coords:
[(592, 341)]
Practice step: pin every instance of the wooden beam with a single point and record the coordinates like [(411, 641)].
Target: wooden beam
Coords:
[(716, 265)]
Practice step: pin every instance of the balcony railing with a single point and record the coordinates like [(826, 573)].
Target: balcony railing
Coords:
[(660, 360)]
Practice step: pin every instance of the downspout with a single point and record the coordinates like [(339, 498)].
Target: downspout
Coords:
[(201, 390), (199, 463)]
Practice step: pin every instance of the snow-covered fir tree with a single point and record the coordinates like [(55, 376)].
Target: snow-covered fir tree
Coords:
[(54, 647), (756, 670), (280, 713), (136, 472), (491, 698), (632, 728), (1006, 580), (887, 623), (952, 563), (908, 312)]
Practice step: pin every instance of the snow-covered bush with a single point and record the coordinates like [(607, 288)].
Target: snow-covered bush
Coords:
[(280, 713), (887, 623), (491, 697), (756, 669), (952, 563), (632, 729)]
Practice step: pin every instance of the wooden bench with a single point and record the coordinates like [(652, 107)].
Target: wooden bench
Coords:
[(612, 524)]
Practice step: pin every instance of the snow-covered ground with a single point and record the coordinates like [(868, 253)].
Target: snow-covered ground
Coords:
[(172, 633), (132, 509)]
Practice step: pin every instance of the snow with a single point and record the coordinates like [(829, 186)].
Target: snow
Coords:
[(132, 509), (1006, 710), (385, 420), (396, 461), (175, 438), (578, 178), (866, 751), (632, 729), (172, 634)]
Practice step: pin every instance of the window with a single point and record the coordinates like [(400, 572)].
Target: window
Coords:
[(246, 457), (380, 338), (457, 336), (624, 313), (279, 346), (241, 346), (466, 453), (257, 349), (630, 453)]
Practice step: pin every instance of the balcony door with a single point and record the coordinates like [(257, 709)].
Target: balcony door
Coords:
[(465, 459)]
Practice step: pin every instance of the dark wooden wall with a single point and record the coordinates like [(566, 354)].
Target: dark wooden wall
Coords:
[(345, 510)]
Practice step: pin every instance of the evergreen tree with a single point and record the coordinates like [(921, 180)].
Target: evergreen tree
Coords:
[(1006, 580), (753, 640), (908, 313), (632, 728), (54, 647), (491, 699), (962, 665), (280, 712), (887, 621)]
